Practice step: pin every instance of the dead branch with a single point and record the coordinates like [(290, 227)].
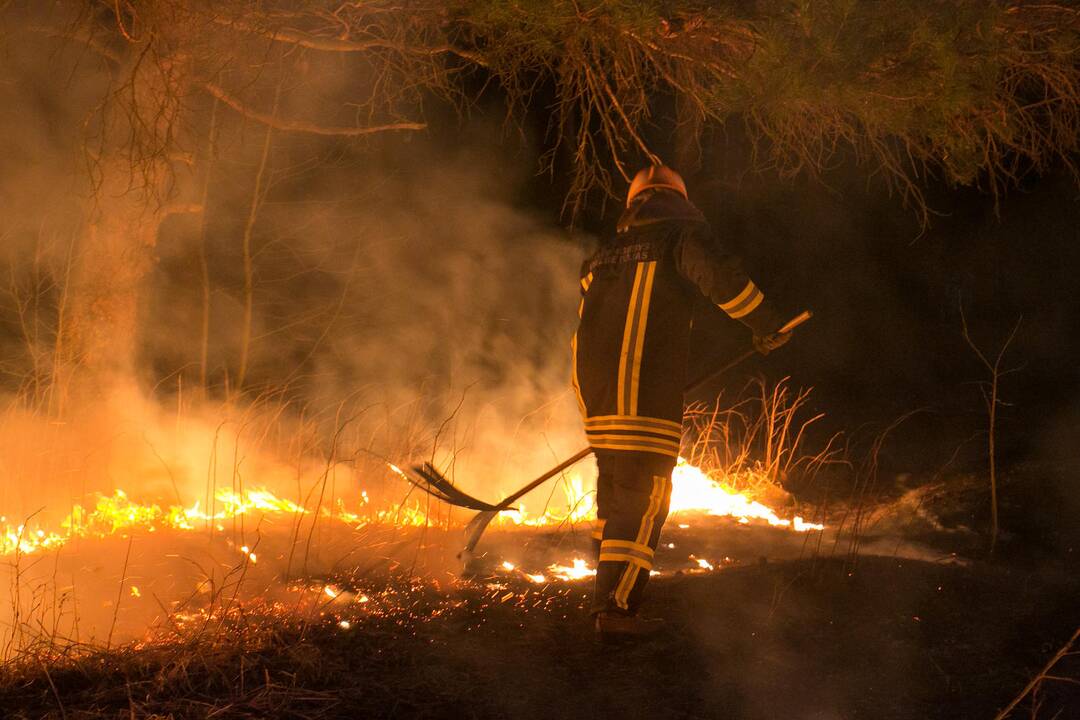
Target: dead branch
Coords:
[(991, 397), (1042, 675), (303, 126), (323, 43)]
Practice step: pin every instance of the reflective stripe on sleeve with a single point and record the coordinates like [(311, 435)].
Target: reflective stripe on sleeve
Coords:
[(586, 282), (745, 302)]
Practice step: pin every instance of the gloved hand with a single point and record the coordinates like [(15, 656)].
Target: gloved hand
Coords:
[(765, 344)]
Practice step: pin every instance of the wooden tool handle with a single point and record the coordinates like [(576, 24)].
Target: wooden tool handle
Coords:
[(580, 455), (795, 321)]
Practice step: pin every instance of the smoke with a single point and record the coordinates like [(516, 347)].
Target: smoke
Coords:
[(404, 306), (406, 290)]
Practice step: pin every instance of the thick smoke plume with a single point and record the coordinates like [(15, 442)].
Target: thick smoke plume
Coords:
[(404, 308), (400, 290)]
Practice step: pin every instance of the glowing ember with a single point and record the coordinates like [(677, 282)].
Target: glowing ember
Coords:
[(578, 571)]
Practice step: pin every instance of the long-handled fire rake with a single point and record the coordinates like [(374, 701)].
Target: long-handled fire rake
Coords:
[(436, 484)]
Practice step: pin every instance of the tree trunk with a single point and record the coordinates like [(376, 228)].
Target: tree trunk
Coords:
[(127, 200)]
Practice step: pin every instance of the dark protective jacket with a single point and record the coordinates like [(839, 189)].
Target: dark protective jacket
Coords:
[(638, 292)]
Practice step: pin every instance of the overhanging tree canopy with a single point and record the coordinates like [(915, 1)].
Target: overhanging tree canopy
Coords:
[(978, 93)]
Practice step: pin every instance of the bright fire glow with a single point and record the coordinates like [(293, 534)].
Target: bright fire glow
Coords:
[(577, 571), (117, 514), (694, 491), (580, 504)]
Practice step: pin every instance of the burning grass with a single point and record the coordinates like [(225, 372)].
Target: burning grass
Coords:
[(339, 598), (747, 450), (125, 562)]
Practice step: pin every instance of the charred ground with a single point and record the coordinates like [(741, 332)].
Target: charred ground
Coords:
[(881, 638)]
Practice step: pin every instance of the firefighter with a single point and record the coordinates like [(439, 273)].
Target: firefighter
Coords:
[(629, 368)]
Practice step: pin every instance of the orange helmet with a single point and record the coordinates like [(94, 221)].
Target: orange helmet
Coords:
[(656, 176)]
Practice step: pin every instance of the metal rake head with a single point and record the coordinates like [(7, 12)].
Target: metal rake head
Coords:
[(437, 485)]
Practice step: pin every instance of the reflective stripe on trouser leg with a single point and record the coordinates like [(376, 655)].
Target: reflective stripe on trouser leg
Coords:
[(635, 508), (659, 499)]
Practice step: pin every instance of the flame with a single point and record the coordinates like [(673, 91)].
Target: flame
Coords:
[(579, 570), (580, 504), (117, 514), (693, 491)]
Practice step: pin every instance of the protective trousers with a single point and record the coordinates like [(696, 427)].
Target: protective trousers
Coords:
[(633, 493)]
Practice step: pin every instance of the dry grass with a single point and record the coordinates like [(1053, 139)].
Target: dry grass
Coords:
[(760, 443)]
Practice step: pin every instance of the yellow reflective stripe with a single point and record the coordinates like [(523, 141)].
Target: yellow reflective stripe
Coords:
[(628, 329), (586, 281), (636, 419), (626, 426), (574, 376), (598, 528), (645, 529), (626, 584), (635, 560), (634, 448), (629, 576), (643, 321), (616, 437), (749, 307), (745, 293), (627, 545)]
